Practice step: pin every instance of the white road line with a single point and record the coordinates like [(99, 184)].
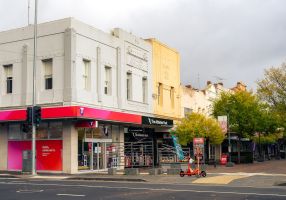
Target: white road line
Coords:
[(154, 189), (29, 191), (3, 178), (72, 195), (18, 181)]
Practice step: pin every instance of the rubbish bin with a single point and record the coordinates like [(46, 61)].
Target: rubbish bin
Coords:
[(223, 159), (27, 161)]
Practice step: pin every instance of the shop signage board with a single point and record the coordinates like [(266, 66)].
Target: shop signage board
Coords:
[(87, 124), (156, 121), (138, 132)]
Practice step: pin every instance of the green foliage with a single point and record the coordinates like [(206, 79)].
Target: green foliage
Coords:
[(241, 109), (272, 89), (247, 115), (198, 125), (267, 139)]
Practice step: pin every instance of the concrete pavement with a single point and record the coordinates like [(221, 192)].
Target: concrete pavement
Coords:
[(264, 174)]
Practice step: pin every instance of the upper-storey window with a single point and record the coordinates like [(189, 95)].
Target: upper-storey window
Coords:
[(86, 74), (107, 81), (48, 68), (160, 94), (129, 85), (172, 97), (144, 89), (9, 78)]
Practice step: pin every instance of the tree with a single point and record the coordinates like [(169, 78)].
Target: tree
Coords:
[(272, 89), (247, 115), (198, 125)]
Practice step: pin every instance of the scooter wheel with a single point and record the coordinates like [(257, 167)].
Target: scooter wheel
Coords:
[(182, 174), (203, 174)]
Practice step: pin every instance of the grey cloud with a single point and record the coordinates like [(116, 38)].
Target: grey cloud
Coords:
[(232, 39)]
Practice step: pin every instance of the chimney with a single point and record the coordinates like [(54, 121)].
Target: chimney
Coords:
[(209, 82), (220, 83)]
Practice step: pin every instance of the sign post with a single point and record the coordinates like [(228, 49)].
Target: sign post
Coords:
[(223, 121), (198, 147)]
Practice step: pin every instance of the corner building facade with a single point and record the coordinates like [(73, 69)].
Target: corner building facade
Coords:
[(93, 87)]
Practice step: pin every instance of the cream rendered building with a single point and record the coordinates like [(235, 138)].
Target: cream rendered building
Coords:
[(200, 101), (166, 81)]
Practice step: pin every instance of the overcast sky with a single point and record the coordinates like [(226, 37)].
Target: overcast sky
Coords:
[(233, 40)]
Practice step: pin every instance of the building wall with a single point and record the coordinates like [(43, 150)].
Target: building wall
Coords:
[(70, 148), (200, 101), (3, 147), (68, 42), (166, 71), (16, 47)]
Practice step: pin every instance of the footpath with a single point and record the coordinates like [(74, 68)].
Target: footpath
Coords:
[(258, 174)]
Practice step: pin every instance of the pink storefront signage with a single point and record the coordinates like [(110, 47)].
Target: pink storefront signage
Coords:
[(49, 154)]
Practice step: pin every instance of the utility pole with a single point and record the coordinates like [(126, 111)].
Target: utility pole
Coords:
[(34, 93), (28, 12), (229, 163)]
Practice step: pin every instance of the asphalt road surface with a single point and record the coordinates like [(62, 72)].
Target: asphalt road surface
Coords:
[(19, 189)]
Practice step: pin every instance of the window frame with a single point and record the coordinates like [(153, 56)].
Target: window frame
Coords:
[(145, 89), (107, 89), (160, 94), (9, 78), (48, 77), (129, 86), (86, 74)]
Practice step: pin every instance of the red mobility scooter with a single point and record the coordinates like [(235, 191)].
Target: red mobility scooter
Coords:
[(190, 171)]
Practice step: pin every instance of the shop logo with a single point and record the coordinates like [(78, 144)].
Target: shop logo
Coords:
[(158, 122), (81, 111)]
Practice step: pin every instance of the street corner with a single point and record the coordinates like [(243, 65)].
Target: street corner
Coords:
[(220, 180)]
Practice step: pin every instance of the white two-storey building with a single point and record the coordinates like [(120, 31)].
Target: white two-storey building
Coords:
[(92, 86)]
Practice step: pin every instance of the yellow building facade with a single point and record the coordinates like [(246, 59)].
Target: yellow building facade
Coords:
[(166, 81)]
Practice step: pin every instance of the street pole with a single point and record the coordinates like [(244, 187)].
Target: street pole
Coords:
[(229, 163), (34, 93)]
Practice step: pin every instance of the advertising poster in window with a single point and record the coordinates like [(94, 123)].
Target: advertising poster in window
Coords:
[(49, 154)]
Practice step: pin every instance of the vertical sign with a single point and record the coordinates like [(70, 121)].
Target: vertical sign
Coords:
[(223, 123), (178, 148), (198, 146)]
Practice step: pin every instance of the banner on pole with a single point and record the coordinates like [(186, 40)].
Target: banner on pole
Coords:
[(198, 146), (223, 123), (178, 148)]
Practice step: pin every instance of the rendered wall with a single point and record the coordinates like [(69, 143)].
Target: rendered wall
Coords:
[(166, 70)]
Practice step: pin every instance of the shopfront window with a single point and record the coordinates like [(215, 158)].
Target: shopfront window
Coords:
[(14, 132), (42, 132), (50, 130), (56, 130)]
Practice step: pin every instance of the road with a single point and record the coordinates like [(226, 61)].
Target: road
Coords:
[(27, 189)]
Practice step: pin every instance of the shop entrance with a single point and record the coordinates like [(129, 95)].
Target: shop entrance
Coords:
[(93, 153)]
